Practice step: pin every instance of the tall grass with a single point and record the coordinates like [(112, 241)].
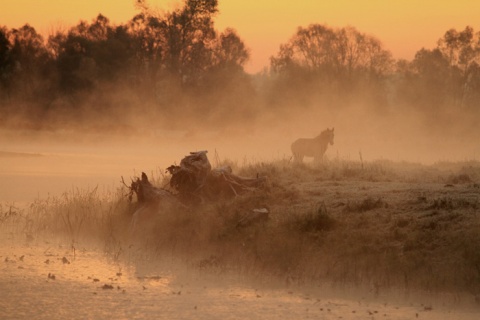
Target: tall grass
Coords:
[(79, 215), (430, 244)]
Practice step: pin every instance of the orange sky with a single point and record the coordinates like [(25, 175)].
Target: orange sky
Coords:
[(404, 26)]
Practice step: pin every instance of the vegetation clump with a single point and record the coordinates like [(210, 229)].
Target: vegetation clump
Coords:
[(313, 221), (309, 234), (366, 204)]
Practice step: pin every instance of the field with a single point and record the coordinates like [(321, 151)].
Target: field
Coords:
[(101, 218), (375, 229)]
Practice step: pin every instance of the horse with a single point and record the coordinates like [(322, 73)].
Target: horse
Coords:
[(312, 147)]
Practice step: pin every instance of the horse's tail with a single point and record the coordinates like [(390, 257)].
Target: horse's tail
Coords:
[(297, 152), (295, 146)]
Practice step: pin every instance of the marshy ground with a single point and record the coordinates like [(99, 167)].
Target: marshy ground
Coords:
[(350, 239)]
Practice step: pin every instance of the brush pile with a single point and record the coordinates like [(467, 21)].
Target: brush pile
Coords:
[(194, 181)]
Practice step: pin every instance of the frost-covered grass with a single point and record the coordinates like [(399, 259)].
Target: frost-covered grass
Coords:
[(381, 224)]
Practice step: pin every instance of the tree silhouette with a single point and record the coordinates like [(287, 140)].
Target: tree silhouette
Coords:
[(176, 64), (28, 64), (184, 55), (319, 59), (428, 84), (335, 52), (230, 51), (462, 49), (5, 62), (444, 78)]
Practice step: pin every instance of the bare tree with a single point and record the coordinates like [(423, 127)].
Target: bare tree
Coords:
[(462, 49), (335, 64)]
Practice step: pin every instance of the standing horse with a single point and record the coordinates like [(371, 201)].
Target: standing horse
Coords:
[(315, 147)]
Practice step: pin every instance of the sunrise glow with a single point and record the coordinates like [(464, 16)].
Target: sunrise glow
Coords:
[(239, 159), (404, 27)]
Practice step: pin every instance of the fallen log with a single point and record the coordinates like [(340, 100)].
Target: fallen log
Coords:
[(195, 180), (253, 217), (150, 201), (191, 175), (147, 193)]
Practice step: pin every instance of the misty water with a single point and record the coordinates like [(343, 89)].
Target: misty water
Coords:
[(94, 105), (40, 165), (53, 278)]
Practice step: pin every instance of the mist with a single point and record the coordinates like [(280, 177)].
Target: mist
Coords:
[(389, 213), (99, 101), (137, 84)]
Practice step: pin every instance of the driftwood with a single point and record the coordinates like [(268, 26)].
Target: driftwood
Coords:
[(150, 201), (191, 175), (195, 180), (147, 193), (255, 216)]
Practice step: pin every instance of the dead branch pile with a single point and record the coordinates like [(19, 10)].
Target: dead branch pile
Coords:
[(191, 175), (195, 180), (147, 193)]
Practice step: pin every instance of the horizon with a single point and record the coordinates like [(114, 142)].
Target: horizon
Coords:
[(264, 26)]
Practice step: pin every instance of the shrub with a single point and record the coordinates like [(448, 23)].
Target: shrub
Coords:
[(365, 205), (315, 220)]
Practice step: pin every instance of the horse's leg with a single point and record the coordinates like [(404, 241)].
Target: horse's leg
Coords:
[(297, 158), (318, 158)]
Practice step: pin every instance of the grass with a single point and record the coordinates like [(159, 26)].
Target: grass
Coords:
[(366, 204), (312, 221), (381, 223)]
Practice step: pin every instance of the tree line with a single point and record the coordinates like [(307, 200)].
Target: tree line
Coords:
[(176, 65)]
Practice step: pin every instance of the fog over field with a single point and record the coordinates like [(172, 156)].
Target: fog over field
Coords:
[(101, 201), (37, 162), (99, 100)]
